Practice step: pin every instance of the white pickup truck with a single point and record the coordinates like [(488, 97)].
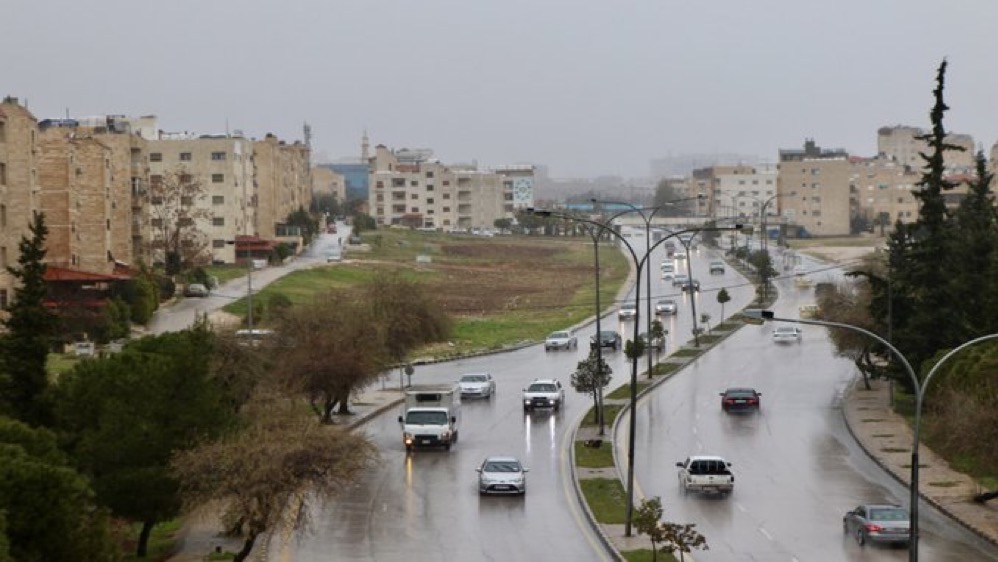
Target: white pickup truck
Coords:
[(705, 474)]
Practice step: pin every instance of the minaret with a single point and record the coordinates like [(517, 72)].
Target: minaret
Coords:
[(364, 146)]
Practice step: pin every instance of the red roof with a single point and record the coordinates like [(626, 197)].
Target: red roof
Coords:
[(53, 273)]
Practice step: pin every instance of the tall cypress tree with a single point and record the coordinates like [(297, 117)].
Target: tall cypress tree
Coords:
[(24, 348), (976, 252)]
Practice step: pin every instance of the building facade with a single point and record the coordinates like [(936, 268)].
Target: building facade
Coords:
[(19, 190), (813, 185), (283, 184), (883, 191), (901, 144)]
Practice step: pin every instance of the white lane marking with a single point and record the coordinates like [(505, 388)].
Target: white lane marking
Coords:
[(765, 534), (741, 507)]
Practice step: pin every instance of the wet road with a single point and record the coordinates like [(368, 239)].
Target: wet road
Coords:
[(797, 468), (425, 506)]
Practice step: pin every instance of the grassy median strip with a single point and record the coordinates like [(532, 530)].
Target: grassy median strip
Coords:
[(646, 555), (593, 457), (610, 412), (623, 391), (606, 499)]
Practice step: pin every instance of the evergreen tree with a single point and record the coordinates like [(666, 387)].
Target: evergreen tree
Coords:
[(976, 251), (24, 349)]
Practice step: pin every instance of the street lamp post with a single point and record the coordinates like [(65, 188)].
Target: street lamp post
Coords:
[(639, 263), (249, 286), (595, 233), (919, 388)]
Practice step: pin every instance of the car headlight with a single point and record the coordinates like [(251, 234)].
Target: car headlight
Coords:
[(445, 435), (526, 401)]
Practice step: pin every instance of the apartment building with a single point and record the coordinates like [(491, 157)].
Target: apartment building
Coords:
[(740, 191), (326, 181), (813, 185), (883, 191), (283, 182), (409, 188), (517, 185), (221, 208), (901, 144), (19, 191)]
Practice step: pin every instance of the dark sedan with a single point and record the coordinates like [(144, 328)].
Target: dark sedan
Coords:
[(740, 400), (606, 338), (878, 523)]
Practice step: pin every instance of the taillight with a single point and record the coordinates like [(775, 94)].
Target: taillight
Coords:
[(870, 527)]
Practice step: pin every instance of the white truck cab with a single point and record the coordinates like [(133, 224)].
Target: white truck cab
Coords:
[(431, 415)]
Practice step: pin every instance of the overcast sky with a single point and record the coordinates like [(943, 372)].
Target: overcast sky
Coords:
[(585, 87)]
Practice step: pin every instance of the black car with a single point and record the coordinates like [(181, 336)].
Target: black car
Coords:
[(740, 400), (606, 338), (693, 285)]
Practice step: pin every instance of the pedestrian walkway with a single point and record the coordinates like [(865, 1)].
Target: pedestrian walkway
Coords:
[(202, 531), (887, 438)]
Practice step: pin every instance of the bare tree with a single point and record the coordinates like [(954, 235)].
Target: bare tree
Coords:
[(175, 203), (269, 475), (672, 536)]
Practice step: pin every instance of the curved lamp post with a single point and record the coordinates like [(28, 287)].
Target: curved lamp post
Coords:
[(919, 398), (639, 263)]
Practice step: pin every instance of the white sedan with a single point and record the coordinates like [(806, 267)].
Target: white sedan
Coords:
[(561, 340), (787, 334), (477, 385)]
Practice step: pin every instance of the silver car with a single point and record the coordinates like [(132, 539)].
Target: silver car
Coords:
[(880, 523), (561, 340), (666, 306), (502, 475), (477, 385)]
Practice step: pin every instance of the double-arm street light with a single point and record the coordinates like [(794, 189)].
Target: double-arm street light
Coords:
[(919, 388), (596, 234), (639, 263)]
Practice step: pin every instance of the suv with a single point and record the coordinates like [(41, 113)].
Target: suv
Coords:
[(717, 267), (543, 393), (606, 338)]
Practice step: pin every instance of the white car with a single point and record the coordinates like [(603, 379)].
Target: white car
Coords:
[(477, 385), (561, 340), (628, 311), (787, 334), (543, 393), (502, 475), (666, 306)]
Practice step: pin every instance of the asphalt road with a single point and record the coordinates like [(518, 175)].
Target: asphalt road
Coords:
[(425, 506), (797, 468)]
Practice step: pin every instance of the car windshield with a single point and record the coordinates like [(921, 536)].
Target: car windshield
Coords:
[(426, 418), (541, 387), (558, 335), (786, 330), (502, 466), (630, 305), (740, 393), (608, 335), (888, 515), (473, 378)]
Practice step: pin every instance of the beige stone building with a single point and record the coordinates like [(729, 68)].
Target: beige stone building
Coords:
[(409, 188), (223, 167), (813, 185), (741, 191), (19, 190), (328, 181), (283, 182), (883, 191), (900, 143)]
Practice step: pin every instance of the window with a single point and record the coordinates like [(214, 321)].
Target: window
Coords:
[(429, 174), (218, 243), (157, 223), (446, 182), (218, 221), (217, 178), (186, 179), (3, 174), (155, 181), (185, 156), (3, 136), (816, 213), (414, 210), (185, 221), (3, 216), (108, 227), (446, 209), (414, 196), (446, 195), (217, 199), (414, 183), (429, 201), (398, 182), (155, 156), (379, 184), (4, 299), (429, 187), (218, 156), (156, 200)]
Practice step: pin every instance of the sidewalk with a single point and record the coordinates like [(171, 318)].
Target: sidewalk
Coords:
[(887, 439), (201, 531)]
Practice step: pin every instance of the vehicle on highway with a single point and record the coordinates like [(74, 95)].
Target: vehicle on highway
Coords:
[(691, 285), (196, 290), (666, 306), (658, 343), (878, 523), (705, 474), (787, 334), (680, 279), (543, 393), (680, 255), (561, 340), (717, 267), (627, 311), (668, 270), (606, 338), (740, 399), (477, 385), (502, 475), (430, 415), (334, 256)]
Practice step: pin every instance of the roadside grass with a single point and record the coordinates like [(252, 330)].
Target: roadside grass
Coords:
[(646, 555), (610, 412), (624, 391), (665, 368), (687, 352), (845, 241), (591, 457), (162, 541), (606, 499), (226, 272), (59, 363)]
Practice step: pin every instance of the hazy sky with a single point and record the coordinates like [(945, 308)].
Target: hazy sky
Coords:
[(586, 87)]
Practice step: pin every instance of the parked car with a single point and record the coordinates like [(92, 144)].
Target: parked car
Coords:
[(196, 290), (666, 306), (543, 393), (691, 285), (717, 267), (502, 475), (628, 311), (787, 334), (606, 338), (878, 523), (477, 385), (738, 399), (334, 256), (561, 340), (658, 344)]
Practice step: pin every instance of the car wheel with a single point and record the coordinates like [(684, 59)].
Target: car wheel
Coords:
[(447, 447), (845, 526), (861, 538)]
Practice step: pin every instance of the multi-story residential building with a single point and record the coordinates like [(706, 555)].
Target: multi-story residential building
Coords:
[(411, 189), (328, 182), (883, 192), (901, 144), (518, 186), (739, 191), (222, 165), (283, 183), (19, 191), (814, 189)]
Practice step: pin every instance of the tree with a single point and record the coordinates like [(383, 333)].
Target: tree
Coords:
[(304, 220), (763, 264), (665, 192), (591, 375), (24, 348), (672, 536), (49, 509), (125, 415), (723, 298), (503, 225), (405, 314), (176, 209), (270, 475)]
